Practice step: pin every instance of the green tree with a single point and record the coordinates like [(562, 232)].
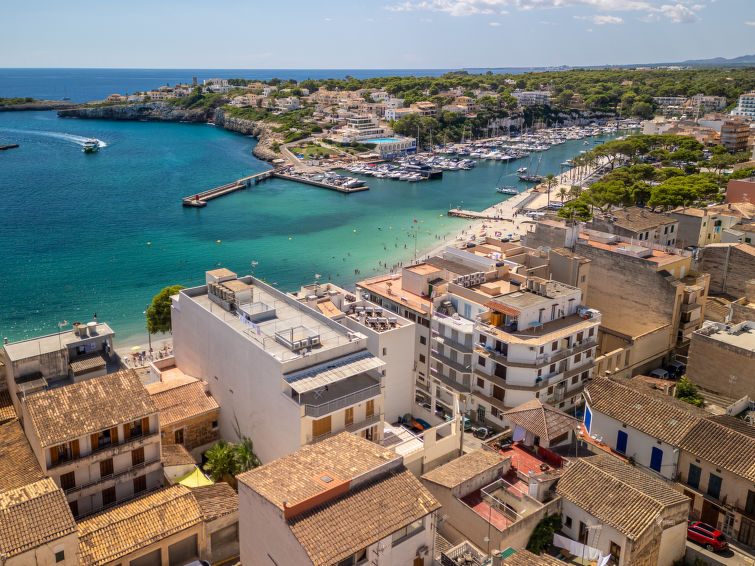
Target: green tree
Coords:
[(642, 110), (542, 535), (222, 463), (687, 391), (246, 459), (158, 314), (577, 210)]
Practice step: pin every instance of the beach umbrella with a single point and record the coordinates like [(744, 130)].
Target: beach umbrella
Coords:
[(136, 347)]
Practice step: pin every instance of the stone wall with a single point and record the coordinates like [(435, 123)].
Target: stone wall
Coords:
[(197, 431), (711, 363), (730, 266)]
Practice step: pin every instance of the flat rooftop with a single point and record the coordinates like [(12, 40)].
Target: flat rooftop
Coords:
[(656, 256), (291, 319), (740, 336), (51, 343), (394, 292), (547, 332)]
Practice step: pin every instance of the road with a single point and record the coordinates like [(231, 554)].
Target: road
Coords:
[(733, 556)]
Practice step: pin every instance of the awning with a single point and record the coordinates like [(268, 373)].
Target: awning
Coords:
[(194, 478), (501, 308), (325, 374), (88, 363)]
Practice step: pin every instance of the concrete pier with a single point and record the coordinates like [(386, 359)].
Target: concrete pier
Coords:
[(200, 200), (321, 184)]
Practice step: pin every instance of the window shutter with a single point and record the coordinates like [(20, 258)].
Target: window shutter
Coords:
[(95, 439), (53, 455), (75, 448), (145, 425), (114, 435), (126, 431)]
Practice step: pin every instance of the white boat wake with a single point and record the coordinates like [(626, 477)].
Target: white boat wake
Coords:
[(78, 140)]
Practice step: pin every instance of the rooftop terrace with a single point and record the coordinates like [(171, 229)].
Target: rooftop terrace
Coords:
[(741, 335)]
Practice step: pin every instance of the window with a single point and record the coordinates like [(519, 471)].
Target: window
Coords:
[(481, 360), (178, 436), (585, 375), (349, 416), (214, 425), (592, 332), (321, 426), (134, 429), (554, 346), (665, 230), (137, 456), (567, 522), (693, 477), (553, 368), (60, 556), (422, 340), (498, 393), (408, 531), (370, 408), (750, 505), (714, 486), (385, 351), (108, 496), (615, 551), (582, 279), (422, 358), (106, 468), (140, 484), (494, 411), (481, 413), (480, 383), (68, 481), (574, 379), (577, 358), (672, 227), (483, 339), (74, 505)]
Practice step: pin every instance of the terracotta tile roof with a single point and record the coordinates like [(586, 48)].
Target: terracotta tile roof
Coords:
[(18, 464), (725, 442), (115, 533), (639, 219), (526, 558), (33, 515), (7, 412), (294, 478), (617, 493), (463, 468), (88, 363), (656, 415), (331, 532), (185, 401), (60, 415), (216, 500), (541, 419), (501, 308), (175, 455)]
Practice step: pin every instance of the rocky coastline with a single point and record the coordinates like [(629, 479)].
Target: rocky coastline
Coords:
[(162, 112), (38, 105)]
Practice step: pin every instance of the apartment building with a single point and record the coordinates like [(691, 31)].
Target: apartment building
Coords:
[(642, 523), (341, 501), (532, 98), (708, 103), (670, 101), (397, 113), (722, 358), (284, 374), (389, 337), (730, 267), (97, 439), (717, 472), (638, 224), (735, 135), (639, 423), (746, 106), (648, 295), (703, 226), (425, 108), (70, 356)]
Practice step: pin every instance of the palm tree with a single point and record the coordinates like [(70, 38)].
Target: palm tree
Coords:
[(222, 463), (246, 459), (562, 192), (549, 177), (575, 191)]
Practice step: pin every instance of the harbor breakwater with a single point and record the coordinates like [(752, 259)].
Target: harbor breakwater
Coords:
[(162, 112)]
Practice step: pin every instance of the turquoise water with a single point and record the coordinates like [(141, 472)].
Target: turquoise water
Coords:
[(105, 232)]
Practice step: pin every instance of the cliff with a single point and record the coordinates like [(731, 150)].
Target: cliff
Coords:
[(162, 112)]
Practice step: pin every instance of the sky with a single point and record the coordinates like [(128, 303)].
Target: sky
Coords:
[(366, 34)]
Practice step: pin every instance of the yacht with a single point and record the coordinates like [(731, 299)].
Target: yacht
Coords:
[(91, 146)]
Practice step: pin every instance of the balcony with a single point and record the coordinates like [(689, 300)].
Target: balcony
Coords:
[(352, 428), (112, 449), (114, 476), (458, 346), (453, 364), (339, 400), (453, 384)]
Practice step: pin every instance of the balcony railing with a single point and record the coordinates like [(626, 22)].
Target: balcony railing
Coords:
[(101, 449), (353, 427), (342, 402), (109, 477), (451, 343), (453, 364)]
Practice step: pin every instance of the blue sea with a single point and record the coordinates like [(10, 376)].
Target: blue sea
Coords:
[(83, 85), (103, 233)]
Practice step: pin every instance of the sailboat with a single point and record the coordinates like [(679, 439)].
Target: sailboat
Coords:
[(533, 178), (506, 190)]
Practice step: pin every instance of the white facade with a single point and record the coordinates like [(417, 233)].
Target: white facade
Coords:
[(532, 97), (746, 106), (639, 445), (253, 372)]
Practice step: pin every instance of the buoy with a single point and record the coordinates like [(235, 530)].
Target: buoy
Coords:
[(441, 216), (355, 231), (149, 243), (290, 238), (218, 241)]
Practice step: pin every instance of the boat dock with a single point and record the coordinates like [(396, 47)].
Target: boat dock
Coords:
[(472, 214), (330, 186), (200, 200)]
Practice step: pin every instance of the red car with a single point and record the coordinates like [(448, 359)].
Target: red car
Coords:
[(711, 538)]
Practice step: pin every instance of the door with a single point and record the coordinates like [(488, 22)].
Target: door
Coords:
[(588, 418), (747, 532), (621, 442), (709, 514), (656, 457)]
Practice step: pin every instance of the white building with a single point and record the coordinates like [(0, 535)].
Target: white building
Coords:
[(342, 501), (615, 509), (708, 103), (637, 424), (287, 104), (360, 128), (267, 90), (746, 106), (397, 113), (217, 85), (532, 97), (285, 375)]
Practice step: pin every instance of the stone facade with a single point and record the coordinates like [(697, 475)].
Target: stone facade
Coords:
[(194, 432), (712, 361), (730, 266)]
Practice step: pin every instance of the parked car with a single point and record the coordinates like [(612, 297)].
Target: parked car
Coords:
[(659, 373), (466, 421), (710, 537), (676, 369), (482, 432)]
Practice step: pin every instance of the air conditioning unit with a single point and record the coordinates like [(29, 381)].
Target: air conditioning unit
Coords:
[(422, 551)]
